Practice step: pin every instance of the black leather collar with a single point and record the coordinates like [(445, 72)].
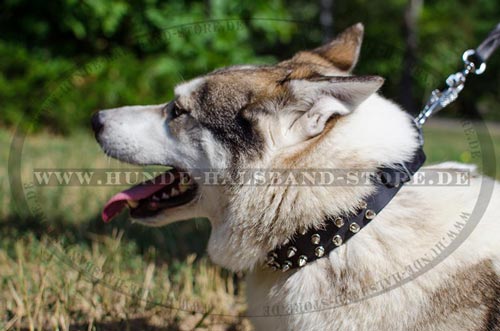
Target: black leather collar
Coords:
[(313, 244)]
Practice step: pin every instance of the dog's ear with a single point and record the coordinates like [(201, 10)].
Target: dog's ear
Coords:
[(343, 51), (331, 96)]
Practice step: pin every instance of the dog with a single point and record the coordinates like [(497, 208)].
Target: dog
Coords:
[(309, 112)]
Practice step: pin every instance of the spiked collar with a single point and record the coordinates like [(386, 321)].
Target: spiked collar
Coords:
[(309, 245)]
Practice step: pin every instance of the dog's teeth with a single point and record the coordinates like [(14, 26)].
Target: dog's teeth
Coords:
[(165, 196), (132, 203), (174, 192)]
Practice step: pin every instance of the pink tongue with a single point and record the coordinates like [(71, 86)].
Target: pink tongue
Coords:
[(118, 202)]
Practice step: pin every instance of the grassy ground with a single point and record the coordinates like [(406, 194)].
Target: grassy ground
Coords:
[(464, 142), (64, 269)]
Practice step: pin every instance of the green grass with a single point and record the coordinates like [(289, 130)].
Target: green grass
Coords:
[(66, 269), (451, 143)]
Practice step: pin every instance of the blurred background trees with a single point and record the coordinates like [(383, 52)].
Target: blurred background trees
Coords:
[(63, 59)]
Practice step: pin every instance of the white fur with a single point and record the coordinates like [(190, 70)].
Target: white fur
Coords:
[(187, 88), (248, 221), (313, 122)]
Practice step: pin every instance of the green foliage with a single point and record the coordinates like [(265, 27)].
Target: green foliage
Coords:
[(73, 57), (62, 60)]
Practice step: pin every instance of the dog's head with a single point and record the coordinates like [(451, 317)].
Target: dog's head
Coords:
[(237, 118)]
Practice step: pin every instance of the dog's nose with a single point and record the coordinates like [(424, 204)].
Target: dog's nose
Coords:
[(97, 122)]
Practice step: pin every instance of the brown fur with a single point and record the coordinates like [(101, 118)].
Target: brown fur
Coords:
[(343, 51), (292, 160), (470, 300)]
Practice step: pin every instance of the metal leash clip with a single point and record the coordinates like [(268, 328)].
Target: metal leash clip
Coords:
[(440, 99)]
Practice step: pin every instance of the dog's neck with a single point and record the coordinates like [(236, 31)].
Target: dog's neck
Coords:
[(260, 218), (308, 245)]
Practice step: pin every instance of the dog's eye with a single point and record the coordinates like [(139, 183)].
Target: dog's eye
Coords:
[(175, 110)]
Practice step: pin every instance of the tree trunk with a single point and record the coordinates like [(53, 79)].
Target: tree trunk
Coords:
[(412, 12), (326, 19)]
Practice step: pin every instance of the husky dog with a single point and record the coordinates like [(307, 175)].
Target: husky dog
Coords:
[(430, 260)]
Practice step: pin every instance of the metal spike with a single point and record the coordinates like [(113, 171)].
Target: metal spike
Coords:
[(319, 251), (302, 260), (370, 214), (291, 251), (354, 227), (315, 239), (337, 240), (174, 192), (271, 257), (155, 198), (270, 260), (165, 196), (363, 205), (339, 222), (274, 266), (286, 266)]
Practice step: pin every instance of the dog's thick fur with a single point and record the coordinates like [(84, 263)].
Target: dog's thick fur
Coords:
[(310, 113)]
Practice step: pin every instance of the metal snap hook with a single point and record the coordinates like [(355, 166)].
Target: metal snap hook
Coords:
[(466, 57)]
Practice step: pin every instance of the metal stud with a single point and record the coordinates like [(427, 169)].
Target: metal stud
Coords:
[(319, 251), (315, 239), (363, 205), (291, 252), (354, 227), (339, 222), (337, 240), (370, 214), (286, 266), (274, 265), (271, 257), (302, 260)]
